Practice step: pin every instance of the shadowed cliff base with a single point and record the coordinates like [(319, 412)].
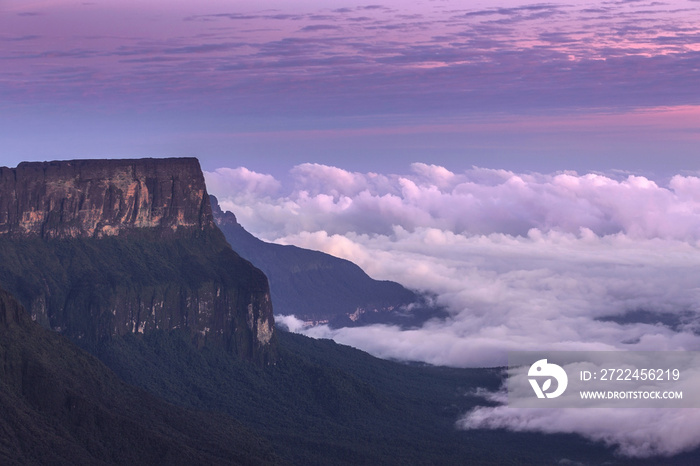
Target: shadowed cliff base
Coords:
[(60, 405)]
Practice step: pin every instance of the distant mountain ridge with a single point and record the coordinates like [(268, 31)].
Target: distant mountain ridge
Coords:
[(99, 248), (319, 288)]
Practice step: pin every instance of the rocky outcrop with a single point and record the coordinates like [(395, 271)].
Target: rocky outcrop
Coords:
[(98, 248), (96, 198)]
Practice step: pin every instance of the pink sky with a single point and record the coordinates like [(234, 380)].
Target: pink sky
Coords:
[(147, 77)]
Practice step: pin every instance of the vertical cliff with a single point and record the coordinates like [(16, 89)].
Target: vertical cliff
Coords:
[(97, 248), (97, 198)]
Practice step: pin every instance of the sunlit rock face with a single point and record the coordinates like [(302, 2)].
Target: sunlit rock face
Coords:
[(98, 248)]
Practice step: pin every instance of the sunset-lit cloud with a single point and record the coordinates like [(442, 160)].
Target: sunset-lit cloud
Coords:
[(521, 261), (478, 201)]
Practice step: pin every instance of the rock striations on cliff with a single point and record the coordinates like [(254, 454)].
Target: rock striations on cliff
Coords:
[(98, 248), (97, 198)]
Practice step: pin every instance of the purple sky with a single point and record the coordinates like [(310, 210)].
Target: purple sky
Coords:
[(271, 84)]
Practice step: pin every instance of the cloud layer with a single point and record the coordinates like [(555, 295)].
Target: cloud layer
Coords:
[(635, 432), (475, 202), (522, 261)]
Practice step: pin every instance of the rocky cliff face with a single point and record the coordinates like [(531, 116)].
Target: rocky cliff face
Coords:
[(96, 198), (98, 248), (61, 405)]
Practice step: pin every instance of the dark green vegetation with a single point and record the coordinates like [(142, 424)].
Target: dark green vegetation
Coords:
[(59, 405), (316, 286), (325, 403), (90, 289)]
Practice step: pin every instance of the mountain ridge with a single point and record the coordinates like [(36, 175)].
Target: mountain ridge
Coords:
[(322, 289)]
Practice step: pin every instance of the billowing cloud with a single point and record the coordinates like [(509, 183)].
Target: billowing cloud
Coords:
[(641, 432), (242, 180), (532, 261), (478, 202), (522, 261)]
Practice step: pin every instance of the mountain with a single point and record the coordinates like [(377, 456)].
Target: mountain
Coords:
[(320, 288), (60, 405), (100, 248)]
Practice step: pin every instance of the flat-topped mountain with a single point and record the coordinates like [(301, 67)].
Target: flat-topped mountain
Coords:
[(96, 198), (98, 248)]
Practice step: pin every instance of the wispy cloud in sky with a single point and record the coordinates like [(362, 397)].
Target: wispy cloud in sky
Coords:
[(446, 57)]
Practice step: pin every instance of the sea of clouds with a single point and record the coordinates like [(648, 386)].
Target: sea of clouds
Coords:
[(522, 262)]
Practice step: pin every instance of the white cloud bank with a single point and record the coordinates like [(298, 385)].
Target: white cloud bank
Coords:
[(522, 262), (640, 432)]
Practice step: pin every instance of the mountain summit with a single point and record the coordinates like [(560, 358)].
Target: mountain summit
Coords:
[(98, 248), (97, 198)]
